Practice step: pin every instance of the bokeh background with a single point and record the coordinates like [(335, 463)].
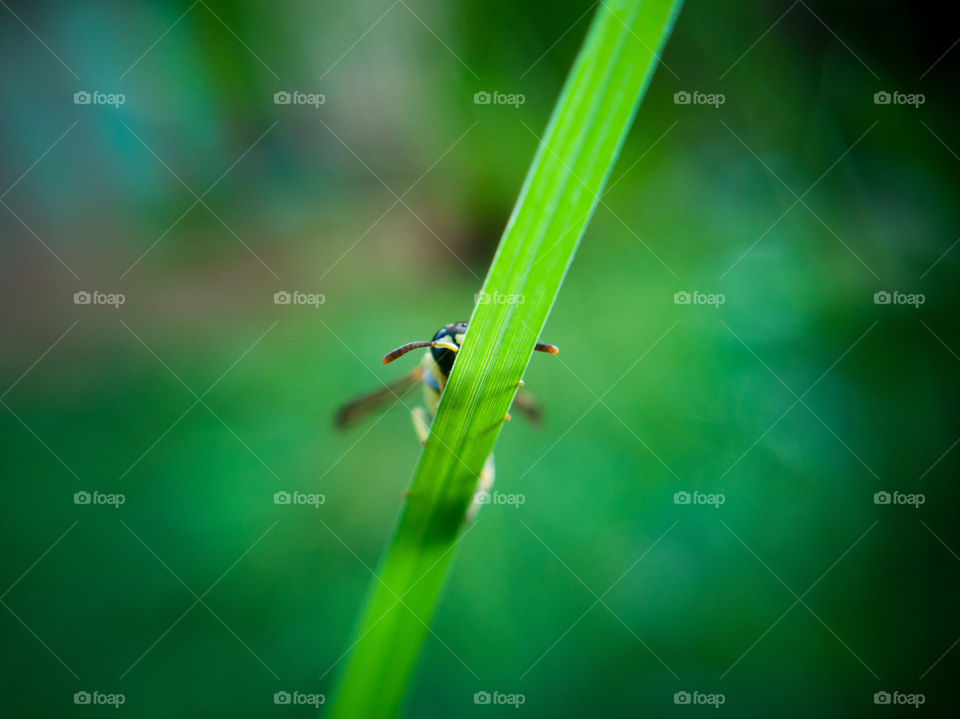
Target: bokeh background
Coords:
[(199, 398)]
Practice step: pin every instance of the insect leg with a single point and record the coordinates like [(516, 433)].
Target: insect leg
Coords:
[(484, 485), (421, 423)]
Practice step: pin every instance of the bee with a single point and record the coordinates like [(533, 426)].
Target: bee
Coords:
[(432, 374)]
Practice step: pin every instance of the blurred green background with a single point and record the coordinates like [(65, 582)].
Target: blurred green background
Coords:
[(199, 398)]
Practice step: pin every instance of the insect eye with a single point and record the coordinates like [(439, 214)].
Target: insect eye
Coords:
[(444, 359)]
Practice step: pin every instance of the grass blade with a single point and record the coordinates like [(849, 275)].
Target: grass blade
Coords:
[(576, 154)]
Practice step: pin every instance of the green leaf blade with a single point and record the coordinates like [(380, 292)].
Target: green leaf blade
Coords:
[(560, 192)]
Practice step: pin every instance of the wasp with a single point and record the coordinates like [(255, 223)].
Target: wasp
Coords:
[(432, 373)]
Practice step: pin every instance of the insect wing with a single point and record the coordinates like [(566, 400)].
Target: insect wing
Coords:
[(355, 410)]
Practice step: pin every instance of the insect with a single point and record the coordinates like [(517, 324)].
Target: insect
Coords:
[(432, 373)]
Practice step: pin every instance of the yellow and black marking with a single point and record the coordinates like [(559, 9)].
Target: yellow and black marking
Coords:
[(433, 373)]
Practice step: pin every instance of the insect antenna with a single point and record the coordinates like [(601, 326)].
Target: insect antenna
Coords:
[(403, 349), (410, 346)]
